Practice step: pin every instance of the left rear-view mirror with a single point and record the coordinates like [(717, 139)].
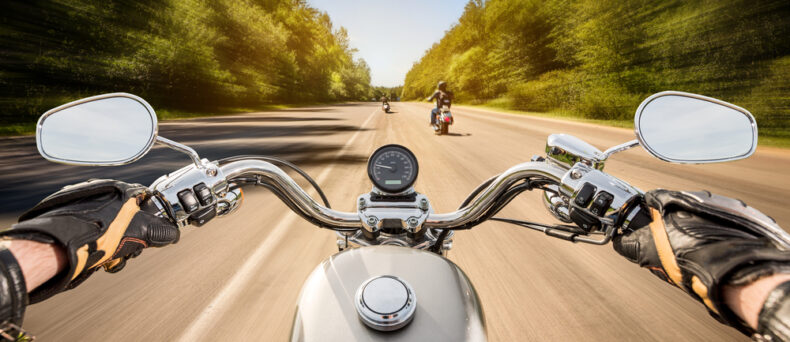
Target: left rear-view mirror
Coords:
[(103, 130)]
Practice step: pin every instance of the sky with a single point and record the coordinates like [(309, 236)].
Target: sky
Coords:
[(392, 35)]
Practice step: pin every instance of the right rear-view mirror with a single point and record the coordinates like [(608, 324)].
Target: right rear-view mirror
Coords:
[(688, 128)]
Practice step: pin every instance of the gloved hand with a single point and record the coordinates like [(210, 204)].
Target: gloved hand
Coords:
[(98, 223), (700, 242)]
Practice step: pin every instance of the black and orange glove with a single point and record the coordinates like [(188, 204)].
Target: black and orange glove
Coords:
[(98, 223), (700, 242)]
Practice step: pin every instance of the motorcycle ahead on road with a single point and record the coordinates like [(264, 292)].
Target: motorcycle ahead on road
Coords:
[(390, 280), (443, 121), (385, 107)]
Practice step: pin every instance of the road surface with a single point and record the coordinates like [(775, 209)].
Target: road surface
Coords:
[(238, 278)]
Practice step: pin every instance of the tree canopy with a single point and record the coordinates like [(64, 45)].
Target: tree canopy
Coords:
[(179, 54), (600, 58)]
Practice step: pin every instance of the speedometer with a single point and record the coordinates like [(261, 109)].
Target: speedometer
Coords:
[(392, 168)]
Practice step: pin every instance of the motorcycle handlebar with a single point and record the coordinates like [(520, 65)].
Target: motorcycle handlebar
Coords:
[(298, 199), (488, 197), (303, 204)]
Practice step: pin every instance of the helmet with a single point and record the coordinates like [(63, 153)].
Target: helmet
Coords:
[(442, 85)]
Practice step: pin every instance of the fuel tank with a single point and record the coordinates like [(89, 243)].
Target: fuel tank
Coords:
[(447, 306)]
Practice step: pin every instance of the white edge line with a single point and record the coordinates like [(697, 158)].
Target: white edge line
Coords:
[(207, 318)]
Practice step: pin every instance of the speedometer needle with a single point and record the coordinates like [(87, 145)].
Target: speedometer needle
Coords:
[(384, 166)]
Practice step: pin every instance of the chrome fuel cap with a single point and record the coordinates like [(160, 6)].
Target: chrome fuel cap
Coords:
[(386, 303)]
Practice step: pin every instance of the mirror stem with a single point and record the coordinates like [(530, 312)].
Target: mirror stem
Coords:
[(182, 148), (620, 148)]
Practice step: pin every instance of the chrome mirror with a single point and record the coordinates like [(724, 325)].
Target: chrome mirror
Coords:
[(688, 128), (110, 129)]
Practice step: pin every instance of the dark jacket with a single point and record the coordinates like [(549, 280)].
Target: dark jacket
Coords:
[(442, 98)]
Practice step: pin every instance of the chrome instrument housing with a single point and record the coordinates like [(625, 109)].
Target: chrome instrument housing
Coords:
[(557, 204), (566, 150), (168, 186), (422, 241), (409, 215), (581, 173)]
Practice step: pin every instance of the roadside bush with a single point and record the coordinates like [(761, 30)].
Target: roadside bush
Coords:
[(553, 90), (607, 102), (769, 102)]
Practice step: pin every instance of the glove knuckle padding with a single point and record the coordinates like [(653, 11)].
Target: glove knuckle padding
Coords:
[(702, 248), (97, 222), (637, 247), (627, 246)]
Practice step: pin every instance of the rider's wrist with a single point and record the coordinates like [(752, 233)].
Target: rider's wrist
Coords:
[(38, 261), (13, 290), (748, 300), (774, 317)]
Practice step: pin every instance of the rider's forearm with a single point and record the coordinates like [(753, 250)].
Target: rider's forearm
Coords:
[(747, 301), (39, 261)]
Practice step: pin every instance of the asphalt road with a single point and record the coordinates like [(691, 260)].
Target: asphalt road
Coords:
[(238, 278)]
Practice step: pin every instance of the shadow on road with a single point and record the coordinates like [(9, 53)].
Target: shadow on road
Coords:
[(250, 118), (186, 132), (26, 178), (352, 104)]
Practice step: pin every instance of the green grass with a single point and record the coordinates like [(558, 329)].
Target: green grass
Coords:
[(18, 129), (766, 139), (774, 141), (170, 114)]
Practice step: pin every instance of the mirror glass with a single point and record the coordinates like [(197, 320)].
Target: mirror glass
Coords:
[(103, 130), (689, 128)]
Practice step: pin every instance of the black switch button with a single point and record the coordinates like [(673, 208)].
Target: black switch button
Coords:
[(601, 203), (585, 194), (203, 194), (188, 201), (201, 217), (584, 219)]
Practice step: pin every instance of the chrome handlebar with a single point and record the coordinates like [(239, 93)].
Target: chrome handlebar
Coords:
[(300, 201), (486, 199), (213, 185), (572, 173), (268, 173)]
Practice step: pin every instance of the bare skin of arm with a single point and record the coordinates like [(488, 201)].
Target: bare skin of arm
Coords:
[(39, 261), (747, 301)]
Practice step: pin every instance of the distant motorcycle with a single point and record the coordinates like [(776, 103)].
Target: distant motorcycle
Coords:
[(443, 121), (385, 107), (391, 279)]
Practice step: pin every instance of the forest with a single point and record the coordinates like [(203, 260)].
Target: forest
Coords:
[(598, 59), (187, 55)]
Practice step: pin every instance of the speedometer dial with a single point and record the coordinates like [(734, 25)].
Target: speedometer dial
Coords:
[(392, 168)]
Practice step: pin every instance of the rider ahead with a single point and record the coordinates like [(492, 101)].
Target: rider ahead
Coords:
[(443, 97)]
